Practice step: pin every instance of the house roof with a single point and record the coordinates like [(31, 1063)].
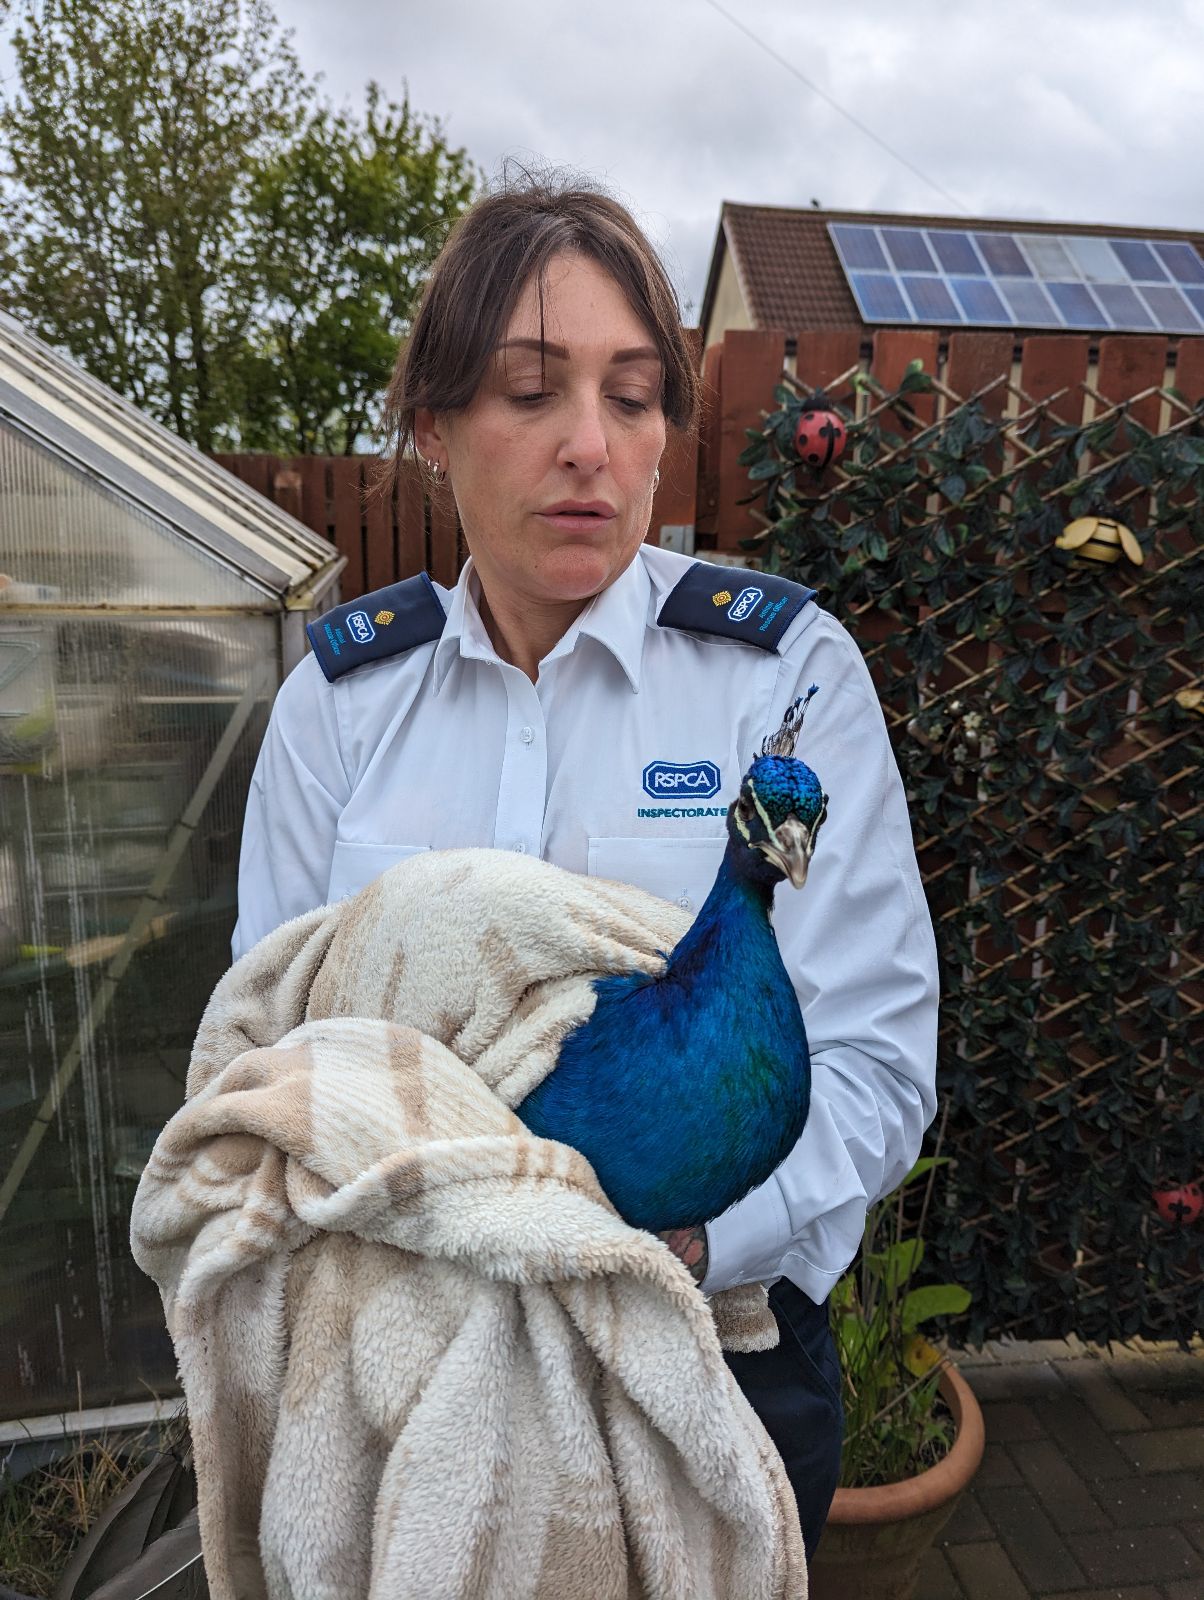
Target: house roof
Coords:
[(791, 277), (52, 401)]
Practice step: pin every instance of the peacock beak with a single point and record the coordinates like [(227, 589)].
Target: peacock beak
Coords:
[(790, 847)]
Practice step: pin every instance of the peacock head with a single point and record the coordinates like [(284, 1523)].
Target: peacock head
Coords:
[(781, 804)]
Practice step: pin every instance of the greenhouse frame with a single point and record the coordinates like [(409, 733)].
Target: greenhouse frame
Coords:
[(150, 606)]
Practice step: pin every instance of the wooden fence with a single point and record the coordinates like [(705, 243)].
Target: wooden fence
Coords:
[(386, 538)]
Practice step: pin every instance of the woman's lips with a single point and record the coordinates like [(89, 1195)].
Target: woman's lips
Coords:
[(575, 523)]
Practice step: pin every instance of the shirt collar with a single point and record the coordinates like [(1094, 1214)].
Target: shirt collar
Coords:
[(617, 618)]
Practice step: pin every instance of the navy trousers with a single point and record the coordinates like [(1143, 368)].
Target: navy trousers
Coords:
[(795, 1390)]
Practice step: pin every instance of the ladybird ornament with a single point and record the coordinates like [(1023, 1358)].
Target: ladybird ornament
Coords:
[(1100, 539), (1180, 1206), (820, 435)]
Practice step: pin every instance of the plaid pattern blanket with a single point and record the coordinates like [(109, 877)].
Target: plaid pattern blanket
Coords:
[(422, 1354)]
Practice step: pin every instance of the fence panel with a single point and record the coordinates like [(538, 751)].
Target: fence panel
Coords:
[(1043, 709)]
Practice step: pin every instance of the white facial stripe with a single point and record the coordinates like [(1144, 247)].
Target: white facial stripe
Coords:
[(769, 828)]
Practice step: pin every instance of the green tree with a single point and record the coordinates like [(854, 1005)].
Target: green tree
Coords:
[(180, 215), (350, 215), (128, 154)]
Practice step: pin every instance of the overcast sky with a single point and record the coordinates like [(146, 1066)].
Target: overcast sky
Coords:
[(1075, 110)]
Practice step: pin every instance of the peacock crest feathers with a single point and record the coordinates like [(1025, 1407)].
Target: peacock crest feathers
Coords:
[(782, 742)]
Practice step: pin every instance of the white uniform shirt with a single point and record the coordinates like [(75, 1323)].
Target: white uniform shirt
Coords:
[(446, 745)]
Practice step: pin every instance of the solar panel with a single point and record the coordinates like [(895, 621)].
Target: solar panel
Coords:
[(1170, 309), (1078, 306), (956, 252), (880, 297), (930, 300), (907, 249), (1124, 305), (859, 248), (1139, 260), (1031, 307), (952, 277), (979, 301), (1182, 262)]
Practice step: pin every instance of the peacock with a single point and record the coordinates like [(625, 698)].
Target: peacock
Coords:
[(686, 1090)]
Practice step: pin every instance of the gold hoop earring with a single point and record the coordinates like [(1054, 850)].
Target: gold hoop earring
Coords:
[(656, 480), (435, 470)]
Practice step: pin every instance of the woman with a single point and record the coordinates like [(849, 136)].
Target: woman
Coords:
[(580, 685)]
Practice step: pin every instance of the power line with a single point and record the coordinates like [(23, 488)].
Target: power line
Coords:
[(836, 106)]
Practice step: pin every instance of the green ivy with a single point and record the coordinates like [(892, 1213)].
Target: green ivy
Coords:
[(1055, 786)]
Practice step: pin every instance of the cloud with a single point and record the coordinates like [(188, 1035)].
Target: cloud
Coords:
[(1083, 111)]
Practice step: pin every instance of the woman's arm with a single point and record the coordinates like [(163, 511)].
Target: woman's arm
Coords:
[(298, 789), (857, 941)]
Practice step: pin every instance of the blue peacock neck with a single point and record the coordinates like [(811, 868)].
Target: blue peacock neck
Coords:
[(733, 930)]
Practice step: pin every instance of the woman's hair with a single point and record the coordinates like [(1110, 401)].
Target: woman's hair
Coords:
[(491, 253)]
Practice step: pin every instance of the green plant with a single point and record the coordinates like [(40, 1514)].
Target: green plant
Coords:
[(895, 1425), (1044, 713)]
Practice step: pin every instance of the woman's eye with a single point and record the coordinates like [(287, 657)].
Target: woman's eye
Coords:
[(629, 404), (526, 399)]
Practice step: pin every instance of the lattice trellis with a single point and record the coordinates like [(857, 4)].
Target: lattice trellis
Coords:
[(1043, 712)]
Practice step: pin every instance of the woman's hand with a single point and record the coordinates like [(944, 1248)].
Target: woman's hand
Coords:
[(689, 1245)]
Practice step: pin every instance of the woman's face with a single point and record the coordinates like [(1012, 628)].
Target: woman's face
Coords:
[(591, 431)]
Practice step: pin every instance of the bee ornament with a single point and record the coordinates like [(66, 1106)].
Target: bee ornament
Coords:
[(1101, 539)]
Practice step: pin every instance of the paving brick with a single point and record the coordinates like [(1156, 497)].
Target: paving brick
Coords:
[(1065, 1497), (1086, 1445), (969, 1356), (1168, 1371), (1195, 1532), (1152, 1501), (967, 1524), (1018, 1351), (937, 1580), (1030, 1539), (1175, 1410), (1110, 1593), (1136, 1555), (1185, 1589), (1168, 1450), (1010, 1419), (1113, 1408), (985, 1572), (997, 1468), (1027, 1382)]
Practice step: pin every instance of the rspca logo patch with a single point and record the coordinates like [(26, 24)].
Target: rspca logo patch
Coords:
[(360, 627), (745, 602), (676, 780)]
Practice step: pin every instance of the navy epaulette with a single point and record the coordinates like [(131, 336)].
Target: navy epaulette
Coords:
[(754, 607), (380, 624)]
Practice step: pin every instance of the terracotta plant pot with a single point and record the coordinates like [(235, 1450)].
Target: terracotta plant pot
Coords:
[(876, 1538)]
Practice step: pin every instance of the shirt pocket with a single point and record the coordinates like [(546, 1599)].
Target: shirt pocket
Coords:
[(356, 865), (680, 870)]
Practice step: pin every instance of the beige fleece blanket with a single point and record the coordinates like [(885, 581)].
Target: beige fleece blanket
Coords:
[(422, 1355)]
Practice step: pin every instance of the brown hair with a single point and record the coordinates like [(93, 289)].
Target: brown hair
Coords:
[(490, 254)]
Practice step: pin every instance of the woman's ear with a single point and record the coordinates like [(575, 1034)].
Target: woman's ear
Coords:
[(429, 439)]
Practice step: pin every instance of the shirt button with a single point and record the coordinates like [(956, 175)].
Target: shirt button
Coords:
[(520, 849), (526, 734)]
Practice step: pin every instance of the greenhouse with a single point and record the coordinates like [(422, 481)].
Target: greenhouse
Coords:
[(150, 605)]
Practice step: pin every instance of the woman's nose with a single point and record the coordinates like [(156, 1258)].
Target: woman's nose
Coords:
[(584, 443)]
